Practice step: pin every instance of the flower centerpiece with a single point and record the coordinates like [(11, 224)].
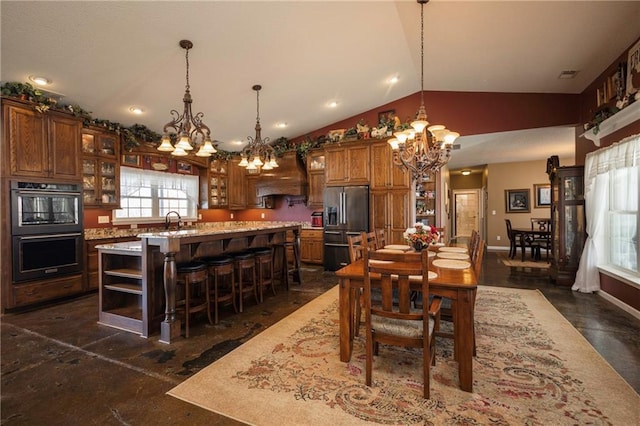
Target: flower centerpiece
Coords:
[(421, 235)]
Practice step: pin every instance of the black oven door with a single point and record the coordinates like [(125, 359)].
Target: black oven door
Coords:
[(48, 209), (42, 256)]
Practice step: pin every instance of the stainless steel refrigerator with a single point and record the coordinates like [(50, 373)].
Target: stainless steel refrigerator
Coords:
[(346, 212)]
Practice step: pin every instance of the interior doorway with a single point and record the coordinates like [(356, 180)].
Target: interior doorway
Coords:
[(466, 205)]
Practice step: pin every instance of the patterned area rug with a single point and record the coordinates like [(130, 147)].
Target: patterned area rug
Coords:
[(532, 368), (517, 263)]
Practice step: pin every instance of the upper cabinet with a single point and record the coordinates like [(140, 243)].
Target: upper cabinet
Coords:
[(218, 184), (347, 164), (237, 185), (100, 168), (384, 173), (40, 144), (315, 177)]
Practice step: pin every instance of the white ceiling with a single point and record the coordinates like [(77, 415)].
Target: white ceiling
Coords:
[(107, 56)]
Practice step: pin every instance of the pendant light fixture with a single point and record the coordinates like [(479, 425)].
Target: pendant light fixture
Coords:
[(423, 149), (258, 155), (190, 129)]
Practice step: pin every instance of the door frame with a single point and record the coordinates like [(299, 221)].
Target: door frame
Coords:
[(479, 213)]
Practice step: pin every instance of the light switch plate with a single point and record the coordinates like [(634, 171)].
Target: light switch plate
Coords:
[(103, 219)]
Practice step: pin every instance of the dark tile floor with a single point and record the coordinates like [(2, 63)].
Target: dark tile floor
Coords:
[(59, 367)]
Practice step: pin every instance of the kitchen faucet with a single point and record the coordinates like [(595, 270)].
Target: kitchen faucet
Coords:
[(167, 219)]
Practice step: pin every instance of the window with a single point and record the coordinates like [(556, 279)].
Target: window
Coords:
[(623, 218), (611, 206), (147, 196)]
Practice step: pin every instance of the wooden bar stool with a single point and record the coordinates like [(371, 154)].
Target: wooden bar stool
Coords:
[(280, 251), (264, 269), (193, 278), (222, 280), (245, 271)]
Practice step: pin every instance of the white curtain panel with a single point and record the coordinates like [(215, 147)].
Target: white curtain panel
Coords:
[(617, 164)]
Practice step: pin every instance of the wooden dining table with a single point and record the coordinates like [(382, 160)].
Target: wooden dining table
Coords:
[(459, 285)]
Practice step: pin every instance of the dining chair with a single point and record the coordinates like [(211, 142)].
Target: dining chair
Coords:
[(381, 239), (442, 230), (355, 247), (369, 239), (394, 320), (513, 239)]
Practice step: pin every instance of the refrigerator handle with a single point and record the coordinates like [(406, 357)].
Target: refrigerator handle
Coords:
[(343, 206)]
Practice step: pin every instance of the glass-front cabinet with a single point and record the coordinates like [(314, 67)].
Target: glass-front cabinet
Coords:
[(218, 184), (100, 169), (315, 177), (568, 221)]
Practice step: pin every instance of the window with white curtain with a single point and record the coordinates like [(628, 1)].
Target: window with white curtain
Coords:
[(623, 217), (147, 196), (611, 206)]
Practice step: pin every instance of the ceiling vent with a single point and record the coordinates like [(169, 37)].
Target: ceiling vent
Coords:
[(567, 75)]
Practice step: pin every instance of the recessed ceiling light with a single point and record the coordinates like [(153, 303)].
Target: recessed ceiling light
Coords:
[(332, 104), (568, 74), (281, 125), (466, 172), (238, 142), (136, 110), (40, 81), (394, 80)]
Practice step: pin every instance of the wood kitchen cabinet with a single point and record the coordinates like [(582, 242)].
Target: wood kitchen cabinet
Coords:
[(40, 144), (390, 211), (218, 184), (100, 169), (311, 246), (384, 173), (237, 185), (315, 177), (91, 271), (347, 164)]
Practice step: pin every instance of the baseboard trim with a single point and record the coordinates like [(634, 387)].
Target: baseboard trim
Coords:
[(619, 303)]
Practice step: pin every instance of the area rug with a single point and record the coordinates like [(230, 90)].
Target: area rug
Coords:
[(517, 263), (532, 367)]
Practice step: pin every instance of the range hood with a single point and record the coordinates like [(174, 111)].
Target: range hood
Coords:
[(290, 178)]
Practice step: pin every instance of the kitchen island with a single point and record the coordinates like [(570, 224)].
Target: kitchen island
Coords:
[(158, 254), (162, 251)]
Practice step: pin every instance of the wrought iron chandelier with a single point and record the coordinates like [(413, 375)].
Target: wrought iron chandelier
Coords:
[(423, 149), (258, 155), (189, 128)]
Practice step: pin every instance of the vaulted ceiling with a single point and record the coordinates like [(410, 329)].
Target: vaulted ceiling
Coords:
[(110, 55)]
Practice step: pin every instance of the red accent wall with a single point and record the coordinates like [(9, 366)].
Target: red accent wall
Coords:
[(470, 113)]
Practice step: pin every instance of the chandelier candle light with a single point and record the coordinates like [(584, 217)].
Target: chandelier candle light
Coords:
[(189, 128), (258, 155), (424, 149)]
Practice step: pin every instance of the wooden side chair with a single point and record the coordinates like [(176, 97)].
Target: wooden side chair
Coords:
[(381, 239), (513, 239), (392, 320), (443, 234), (369, 239), (355, 247)]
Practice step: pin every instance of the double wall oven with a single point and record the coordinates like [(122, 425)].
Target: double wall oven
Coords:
[(46, 229)]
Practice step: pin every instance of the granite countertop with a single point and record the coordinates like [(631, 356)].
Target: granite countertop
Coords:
[(134, 246), (198, 229)]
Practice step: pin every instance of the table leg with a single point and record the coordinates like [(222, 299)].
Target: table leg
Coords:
[(170, 327), (346, 319), (463, 332)]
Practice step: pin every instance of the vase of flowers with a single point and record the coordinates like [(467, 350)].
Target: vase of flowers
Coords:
[(421, 236)]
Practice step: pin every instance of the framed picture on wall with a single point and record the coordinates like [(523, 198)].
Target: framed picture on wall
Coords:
[(131, 160), (517, 200), (542, 192), (184, 168)]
